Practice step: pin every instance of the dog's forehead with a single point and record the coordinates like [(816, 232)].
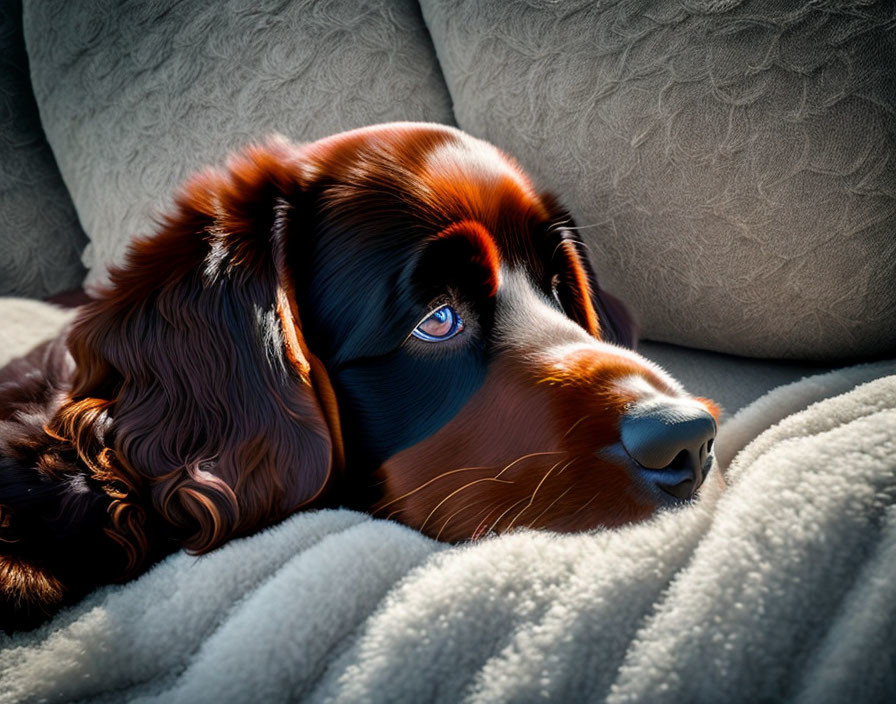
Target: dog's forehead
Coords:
[(475, 174), (439, 175), (472, 180)]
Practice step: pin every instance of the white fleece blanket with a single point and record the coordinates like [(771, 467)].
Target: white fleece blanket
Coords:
[(780, 587)]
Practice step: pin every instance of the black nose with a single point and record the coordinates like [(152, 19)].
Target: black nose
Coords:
[(671, 442)]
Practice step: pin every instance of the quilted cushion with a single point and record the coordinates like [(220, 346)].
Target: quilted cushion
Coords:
[(135, 95), (733, 163), (40, 238)]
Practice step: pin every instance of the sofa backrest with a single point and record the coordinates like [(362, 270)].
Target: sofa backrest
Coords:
[(732, 163)]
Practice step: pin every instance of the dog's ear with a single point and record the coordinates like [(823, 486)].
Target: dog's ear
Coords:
[(616, 323), (194, 390)]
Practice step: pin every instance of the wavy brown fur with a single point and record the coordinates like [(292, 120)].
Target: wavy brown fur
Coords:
[(186, 413)]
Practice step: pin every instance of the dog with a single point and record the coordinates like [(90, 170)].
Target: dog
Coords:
[(392, 319)]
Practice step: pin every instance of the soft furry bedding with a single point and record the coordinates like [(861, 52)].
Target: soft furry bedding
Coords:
[(780, 586)]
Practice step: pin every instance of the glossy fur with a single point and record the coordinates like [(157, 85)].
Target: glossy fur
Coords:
[(254, 358)]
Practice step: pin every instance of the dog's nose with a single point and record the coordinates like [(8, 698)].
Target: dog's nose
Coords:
[(671, 441)]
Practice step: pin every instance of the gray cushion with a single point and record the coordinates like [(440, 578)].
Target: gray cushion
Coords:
[(732, 382), (136, 95), (40, 238), (733, 163)]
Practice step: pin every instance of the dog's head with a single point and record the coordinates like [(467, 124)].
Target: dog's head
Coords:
[(392, 317)]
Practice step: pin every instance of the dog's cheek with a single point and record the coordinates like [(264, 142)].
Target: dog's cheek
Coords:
[(438, 484), (390, 404), (522, 452)]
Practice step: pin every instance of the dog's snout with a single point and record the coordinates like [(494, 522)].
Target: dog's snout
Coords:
[(671, 441)]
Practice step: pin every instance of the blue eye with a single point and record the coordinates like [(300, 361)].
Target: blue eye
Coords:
[(442, 324)]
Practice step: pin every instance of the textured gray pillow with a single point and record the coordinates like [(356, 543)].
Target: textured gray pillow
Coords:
[(733, 163), (135, 95), (40, 238)]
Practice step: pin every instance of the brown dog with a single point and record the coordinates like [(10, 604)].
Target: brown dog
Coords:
[(392, 319)]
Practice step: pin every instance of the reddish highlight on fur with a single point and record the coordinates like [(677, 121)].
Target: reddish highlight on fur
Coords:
[(711, 406), (30, 589), (484, 252), (581, 288)]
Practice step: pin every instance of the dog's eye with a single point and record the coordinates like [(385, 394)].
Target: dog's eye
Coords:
[(442, 324)]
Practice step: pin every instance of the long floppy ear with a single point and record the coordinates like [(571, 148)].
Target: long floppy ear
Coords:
[(194, 390), (616, 322)]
